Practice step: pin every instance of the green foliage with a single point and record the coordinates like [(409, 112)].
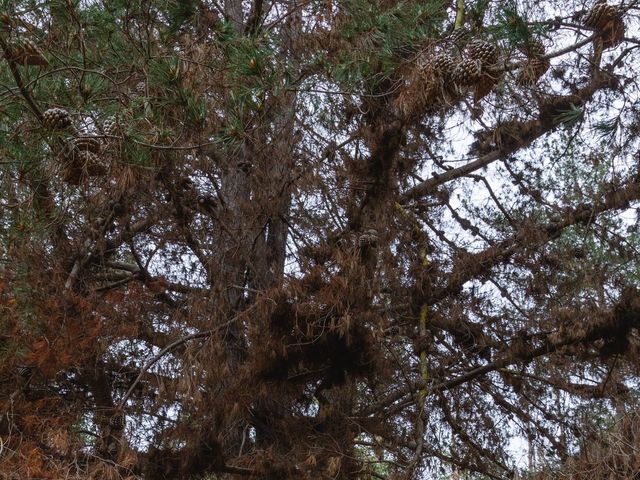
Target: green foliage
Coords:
[(607, 128), (165, 72), (514, 27), (179, 13), (571, 117), (249, 59), (134, 152), (381, 37), (196, 108)]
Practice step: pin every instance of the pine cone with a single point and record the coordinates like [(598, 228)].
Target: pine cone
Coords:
[(117, 421), (31, 54), (26, 52), (599, 15), (540, 66), (533, 70), (536, 49), (486, 53), (532, 48), (89, 162), (25, 371), (141, 88), (368, 239), (483, 87), (56, 119), (459, 37), (444, 64), (111, 128), (467, 72), (79, 163), (606, 19), (536, 66), (613, 33), (88, 143)]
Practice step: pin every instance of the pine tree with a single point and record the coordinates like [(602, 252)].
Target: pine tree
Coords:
[(313, 239)]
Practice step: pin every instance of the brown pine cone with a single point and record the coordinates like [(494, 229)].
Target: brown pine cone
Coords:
[(88, 143), (111, 128), (25, 52), (483, 87), (532, 48), (459, 36), (606, 19), (31, 54), (486, 53), (79, 164), (444, 63), (368, 239), (141, 88), (117, 421), (613, 32), (467, 72), (599, 15), (90, 163), (56, 119), (536, 66), (533, 70)]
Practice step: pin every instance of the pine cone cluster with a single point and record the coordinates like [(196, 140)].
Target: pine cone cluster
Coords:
[(56, 119)]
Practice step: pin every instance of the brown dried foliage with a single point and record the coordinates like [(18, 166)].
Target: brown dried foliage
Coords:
[(233, 265)]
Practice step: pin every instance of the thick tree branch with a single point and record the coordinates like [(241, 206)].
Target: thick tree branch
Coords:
[(512, 136)]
